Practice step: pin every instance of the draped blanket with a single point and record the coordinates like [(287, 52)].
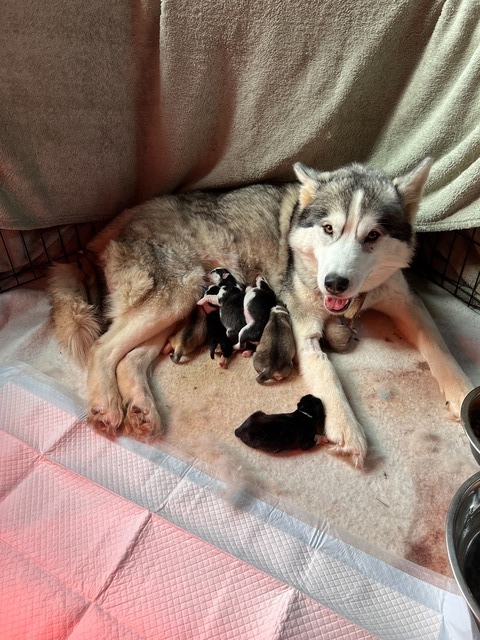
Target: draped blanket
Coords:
[(106, 104)]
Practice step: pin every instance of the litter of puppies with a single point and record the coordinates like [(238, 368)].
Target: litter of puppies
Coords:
[(232, 318)]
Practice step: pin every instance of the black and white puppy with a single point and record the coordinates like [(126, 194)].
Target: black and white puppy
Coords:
[(276, 432), (221, 276), (216, 335), (257, 303), (229, 299)]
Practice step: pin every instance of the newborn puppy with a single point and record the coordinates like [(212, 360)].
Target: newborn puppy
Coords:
[(220, 276), (230, 300), (338, 335), (273, 358), (257, 303), (190, 337), (277, 432), (217, 339)]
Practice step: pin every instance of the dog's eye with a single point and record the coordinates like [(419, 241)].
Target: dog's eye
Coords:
[(372, 236), (328, 229)]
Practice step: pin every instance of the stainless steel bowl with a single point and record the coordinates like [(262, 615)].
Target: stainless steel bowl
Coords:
[(463, 541), (470, 415)]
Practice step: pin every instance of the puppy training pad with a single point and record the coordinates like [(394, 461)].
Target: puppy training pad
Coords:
[(116, 539)]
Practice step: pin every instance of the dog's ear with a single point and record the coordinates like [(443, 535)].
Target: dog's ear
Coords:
[(410, 186), (309, 180)]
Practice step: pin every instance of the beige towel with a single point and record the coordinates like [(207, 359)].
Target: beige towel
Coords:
[(106, 104)]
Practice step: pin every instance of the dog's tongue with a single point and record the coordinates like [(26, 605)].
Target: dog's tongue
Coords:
[(335, 304)]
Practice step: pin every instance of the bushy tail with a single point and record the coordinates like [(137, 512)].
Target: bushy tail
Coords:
[(75, 299)]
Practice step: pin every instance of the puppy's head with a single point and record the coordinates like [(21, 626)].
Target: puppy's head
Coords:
[(221, 276), (313, 406), (354, 228)]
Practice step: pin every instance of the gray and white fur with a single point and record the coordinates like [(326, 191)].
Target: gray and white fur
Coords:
[(274, 355), (328, 243)]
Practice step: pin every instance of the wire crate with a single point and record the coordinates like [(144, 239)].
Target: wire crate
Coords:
[(451, 259), (26, 255)]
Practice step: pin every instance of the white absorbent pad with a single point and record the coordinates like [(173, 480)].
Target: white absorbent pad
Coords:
[(115, 539)]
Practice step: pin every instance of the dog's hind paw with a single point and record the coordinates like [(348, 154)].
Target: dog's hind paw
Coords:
[(105, 420), (142, 420)]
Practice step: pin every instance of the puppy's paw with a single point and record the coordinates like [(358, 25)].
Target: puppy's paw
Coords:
[(348, 440), (106, 417), (142, 419)]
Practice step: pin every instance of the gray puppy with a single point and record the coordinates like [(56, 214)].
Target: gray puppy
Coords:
[(273, 358)]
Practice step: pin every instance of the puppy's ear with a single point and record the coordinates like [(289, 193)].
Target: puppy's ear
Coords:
[(410, 186), (309, 180)]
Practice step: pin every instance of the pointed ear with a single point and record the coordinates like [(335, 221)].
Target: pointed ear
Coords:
[(410, 186), (309, 180)]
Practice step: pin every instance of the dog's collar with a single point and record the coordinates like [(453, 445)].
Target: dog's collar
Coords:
[(355, 306)]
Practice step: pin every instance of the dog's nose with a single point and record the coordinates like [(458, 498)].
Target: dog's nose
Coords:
[(335, 284)]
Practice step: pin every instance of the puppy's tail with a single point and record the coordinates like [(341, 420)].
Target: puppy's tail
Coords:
[(75, 300)]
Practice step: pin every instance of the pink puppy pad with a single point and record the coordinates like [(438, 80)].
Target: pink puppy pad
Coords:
[(185, 588), (18, 459), (34, 604), (69, 526), (31, 418)]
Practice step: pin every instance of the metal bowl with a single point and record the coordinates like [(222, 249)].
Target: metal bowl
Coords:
[(463, 541), (470, 415)]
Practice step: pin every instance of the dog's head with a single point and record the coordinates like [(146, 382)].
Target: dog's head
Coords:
[(354, 228)]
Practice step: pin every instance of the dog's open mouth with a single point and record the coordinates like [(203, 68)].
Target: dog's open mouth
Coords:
[(336, 305)]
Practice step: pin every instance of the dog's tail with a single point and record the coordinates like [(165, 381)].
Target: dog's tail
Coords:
[(75, 295)]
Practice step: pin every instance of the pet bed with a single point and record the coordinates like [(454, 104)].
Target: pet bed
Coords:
[(107, 539)]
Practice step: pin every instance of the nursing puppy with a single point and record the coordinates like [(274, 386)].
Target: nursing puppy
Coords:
[(216, 338), (330, 242), (190, 337), (257, 303), (273, 357), (276, 432), (228, 298)]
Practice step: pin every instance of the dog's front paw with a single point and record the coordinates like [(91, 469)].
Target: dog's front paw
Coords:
[(349, 440), (142, 419), (105, 416)]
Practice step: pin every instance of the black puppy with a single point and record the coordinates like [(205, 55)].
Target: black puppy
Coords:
[(277, 432)]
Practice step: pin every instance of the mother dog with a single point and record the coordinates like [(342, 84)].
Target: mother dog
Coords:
[(334, 241)]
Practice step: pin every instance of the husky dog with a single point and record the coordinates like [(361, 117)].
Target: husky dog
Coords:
[(324, 243)]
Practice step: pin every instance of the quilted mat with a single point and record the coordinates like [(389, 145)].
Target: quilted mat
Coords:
[(104, 539)]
